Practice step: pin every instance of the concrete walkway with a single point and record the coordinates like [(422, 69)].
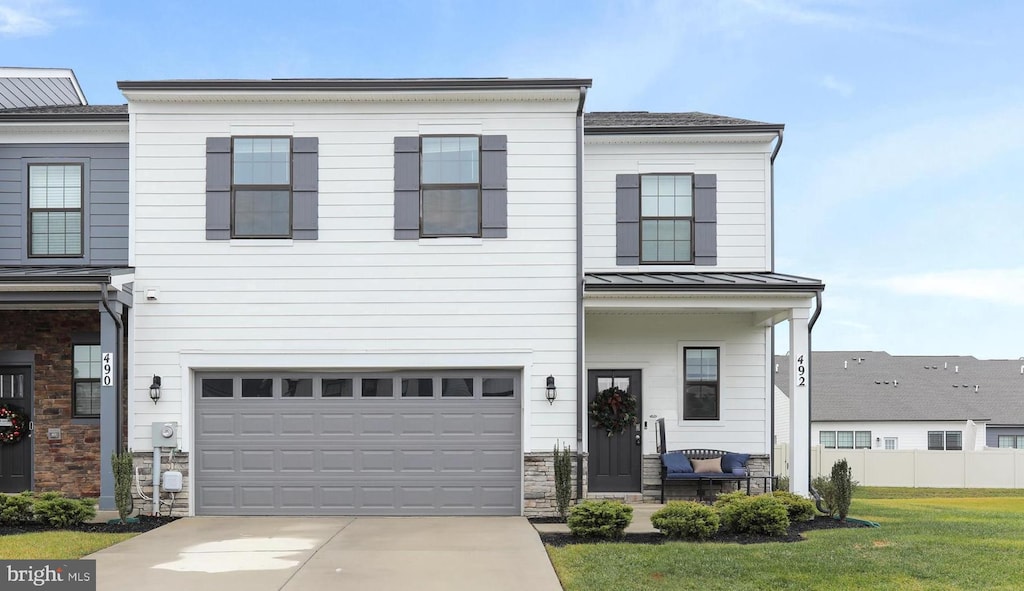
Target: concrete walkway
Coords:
[(299, 553), (641, 521)]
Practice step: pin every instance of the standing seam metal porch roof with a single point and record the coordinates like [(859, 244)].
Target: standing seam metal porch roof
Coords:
[(41, 274), (692, 281)]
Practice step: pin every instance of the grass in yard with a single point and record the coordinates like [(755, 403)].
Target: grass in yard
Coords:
[(924, 543), (886, 492), (56, 545)]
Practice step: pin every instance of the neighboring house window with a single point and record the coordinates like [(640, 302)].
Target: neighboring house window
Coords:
[(945, 440), (55, 210), (862, 440), (701, 383), (827, 439), (262, 187), (844, 439), (1011, 441), (85, 387), (666, 218), (892, 443), (451, 186)]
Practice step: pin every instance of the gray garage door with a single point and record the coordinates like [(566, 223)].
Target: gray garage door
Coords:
[(406, 443)]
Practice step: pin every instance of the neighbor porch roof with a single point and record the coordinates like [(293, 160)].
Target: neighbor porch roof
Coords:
[(62, 287), (699, 282)]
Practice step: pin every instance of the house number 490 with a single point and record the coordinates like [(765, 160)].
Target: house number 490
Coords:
[(801, 371), (107, 375)]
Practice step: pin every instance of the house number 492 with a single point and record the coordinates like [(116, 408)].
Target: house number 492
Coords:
[(801, 372)]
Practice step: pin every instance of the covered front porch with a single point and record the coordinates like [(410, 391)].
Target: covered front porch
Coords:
[(696, 351), (62, 367)]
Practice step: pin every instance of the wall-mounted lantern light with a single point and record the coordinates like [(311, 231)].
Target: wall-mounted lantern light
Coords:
[(550, 391), (154, 389)]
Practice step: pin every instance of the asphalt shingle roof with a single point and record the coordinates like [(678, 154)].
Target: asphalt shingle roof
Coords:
[(598, 121), (876, 386)]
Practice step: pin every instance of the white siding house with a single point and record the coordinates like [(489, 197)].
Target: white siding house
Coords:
[(398, 296)]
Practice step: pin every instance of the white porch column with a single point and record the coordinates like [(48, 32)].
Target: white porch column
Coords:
[(799, 403)]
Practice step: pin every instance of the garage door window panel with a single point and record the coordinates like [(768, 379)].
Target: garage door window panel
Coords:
[(297, 388), (337, 388), (498, 387), (457, 387), (218, 388), (257, 388), (377, 388), (417, 388)]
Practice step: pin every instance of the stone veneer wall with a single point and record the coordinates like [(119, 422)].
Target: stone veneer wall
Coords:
[(70, 464), (539, 484), (144, 462), (756, 466)]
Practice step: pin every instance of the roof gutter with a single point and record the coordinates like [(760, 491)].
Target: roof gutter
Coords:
[(63, 117), (580, 279), (358, 84)]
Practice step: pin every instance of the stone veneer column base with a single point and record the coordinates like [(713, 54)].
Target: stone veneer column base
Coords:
[(144, 462), (539, 484)]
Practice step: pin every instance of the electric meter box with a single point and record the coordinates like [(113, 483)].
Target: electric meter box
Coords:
[(165, 434), (172, 481)]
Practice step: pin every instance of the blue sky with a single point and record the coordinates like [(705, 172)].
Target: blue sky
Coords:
[(897, 182)]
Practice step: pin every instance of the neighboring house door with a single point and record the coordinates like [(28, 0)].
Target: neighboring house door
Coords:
[(16, 458), (615, 463)]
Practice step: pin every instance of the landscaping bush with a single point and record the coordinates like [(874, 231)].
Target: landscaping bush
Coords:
[(600, 519), (55, 510), (686, 519), (842, 487), (725, 499), (763, 514), (830, 495), (799, 508), (15, 509), (563, 480)]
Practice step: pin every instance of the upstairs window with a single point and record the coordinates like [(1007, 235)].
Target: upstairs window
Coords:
[(450, 186), (261, 190), (701, 384), (666, 218), (55, 210)]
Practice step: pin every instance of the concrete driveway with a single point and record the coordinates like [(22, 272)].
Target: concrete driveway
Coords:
[(380, 553)]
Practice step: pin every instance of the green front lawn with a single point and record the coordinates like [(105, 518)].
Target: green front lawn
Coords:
[(56, 545), (925, 542)]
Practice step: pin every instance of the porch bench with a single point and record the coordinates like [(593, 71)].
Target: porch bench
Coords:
[(702, 479)]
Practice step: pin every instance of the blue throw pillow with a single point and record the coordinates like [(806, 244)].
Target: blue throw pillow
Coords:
[(676, 463), (732, 461)]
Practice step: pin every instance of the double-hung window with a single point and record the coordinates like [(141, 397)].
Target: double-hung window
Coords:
[(55, 210), (701, 383), (450, 186), (261, 189), (666, 218), (1011, 441), (85, 387)]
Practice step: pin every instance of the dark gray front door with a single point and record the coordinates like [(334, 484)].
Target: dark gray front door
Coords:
[(616, 462), (16, 458)]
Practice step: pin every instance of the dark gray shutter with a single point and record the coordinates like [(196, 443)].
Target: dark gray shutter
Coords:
[(407, 188), (705, 215), (494, 185), (305, 187), (218, 188), (627, 219)]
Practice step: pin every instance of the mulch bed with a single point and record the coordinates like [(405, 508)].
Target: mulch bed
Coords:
[(793, 535), (145, 523)]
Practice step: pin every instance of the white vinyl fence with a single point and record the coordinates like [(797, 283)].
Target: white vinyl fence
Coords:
[(988, 468)]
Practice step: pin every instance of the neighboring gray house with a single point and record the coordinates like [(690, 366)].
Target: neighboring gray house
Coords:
[(870, 399), (64, 283)]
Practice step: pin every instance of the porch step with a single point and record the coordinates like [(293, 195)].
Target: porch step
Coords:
[(630, 497)]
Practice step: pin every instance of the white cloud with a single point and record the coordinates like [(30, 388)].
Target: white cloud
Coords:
[(30, 18), (836, 85), (997, 286), (18, 23)]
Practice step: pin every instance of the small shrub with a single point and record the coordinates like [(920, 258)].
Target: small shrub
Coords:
[(54, 510), (563, 480), (600, 519), (122, 465), (15, 509), (799, 508), (686, 519), (829, 495), (763, 514), (842, 485), (725, 499)]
